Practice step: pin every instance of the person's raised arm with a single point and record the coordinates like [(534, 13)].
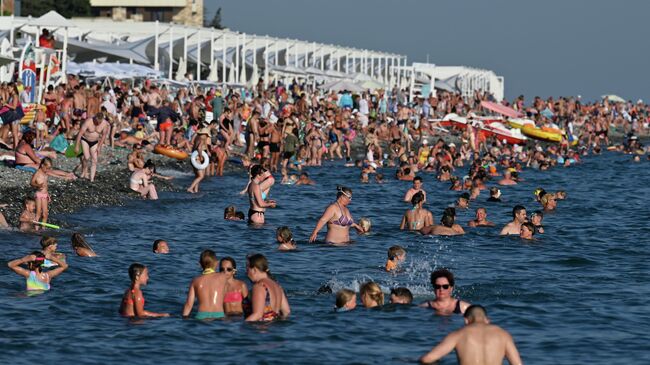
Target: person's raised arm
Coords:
[(443, 348), (189, 302), (15, 265), (62, 266)]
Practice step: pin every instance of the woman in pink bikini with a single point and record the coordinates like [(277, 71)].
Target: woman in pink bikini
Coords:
[(338, 219), (236, 290)]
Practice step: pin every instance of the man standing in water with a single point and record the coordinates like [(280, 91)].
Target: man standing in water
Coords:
[(417, 187), (209, 288), (91, 138), (479, 342), (518, 218)]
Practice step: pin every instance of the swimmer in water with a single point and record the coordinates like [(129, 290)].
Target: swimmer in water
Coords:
[(479, 342), (160, 246), (268, 299), (371, 295), (304, 179), (209, 288), (48, 247), (396, 255), (81, 247), (338, 219), (447, 227), (230, 214), (417, 188), (536, 219), (518, 218), (548, 202), (463, 201), (346, 300), (401, 295), (258, 190), (443, 287), (285, 238), (236, 290), (366, 224), (133, 300), (417, 217), (481, 219), (495, 195), (36, 278), (527, 231), (507, 179)]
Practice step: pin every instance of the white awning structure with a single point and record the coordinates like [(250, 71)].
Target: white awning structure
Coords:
[(231, 57)]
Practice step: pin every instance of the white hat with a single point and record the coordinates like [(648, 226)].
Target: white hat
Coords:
[(452, 144), (425, 142)]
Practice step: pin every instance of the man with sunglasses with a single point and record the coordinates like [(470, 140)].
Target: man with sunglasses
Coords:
[(443, 287)]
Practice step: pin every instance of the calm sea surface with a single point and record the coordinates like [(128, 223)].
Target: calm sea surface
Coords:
[(577, 295)]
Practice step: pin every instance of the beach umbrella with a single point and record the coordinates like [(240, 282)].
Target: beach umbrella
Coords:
[(182, 69), (614, 98)]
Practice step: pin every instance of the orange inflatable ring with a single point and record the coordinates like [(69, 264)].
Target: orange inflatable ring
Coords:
[(170, 152)]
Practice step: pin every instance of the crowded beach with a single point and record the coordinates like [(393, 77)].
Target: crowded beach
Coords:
[(277, 133)]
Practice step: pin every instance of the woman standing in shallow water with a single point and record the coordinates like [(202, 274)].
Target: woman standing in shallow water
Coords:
[(258, 189), (338, 219)]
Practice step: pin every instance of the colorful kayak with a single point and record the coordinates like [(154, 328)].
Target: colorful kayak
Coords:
[(540, 134), (502, 133)]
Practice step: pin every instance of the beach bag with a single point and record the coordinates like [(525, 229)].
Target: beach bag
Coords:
[(59, 144)]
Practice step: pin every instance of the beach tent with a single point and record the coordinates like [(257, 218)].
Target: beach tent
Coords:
[(614, 98), (501, 109), (94, 49), (341, 85), (52, 19)]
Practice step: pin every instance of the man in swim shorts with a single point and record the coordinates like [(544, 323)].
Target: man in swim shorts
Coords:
[(209, 288), (479, 342), (91, 137)]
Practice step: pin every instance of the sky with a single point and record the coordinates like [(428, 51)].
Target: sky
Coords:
[(541, 48)]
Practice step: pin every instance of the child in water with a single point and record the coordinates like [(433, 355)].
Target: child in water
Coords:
[(396, 255), (346, 300), (230, 214), (365, 224), (133, 299), (81, 247), (36, 278), (48, 247), (285, 238)]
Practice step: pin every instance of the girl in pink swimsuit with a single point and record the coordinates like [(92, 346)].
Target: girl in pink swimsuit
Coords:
[(236, 290)]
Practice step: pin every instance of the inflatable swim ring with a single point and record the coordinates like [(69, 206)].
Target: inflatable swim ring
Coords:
[(170, 152), (195, 160)]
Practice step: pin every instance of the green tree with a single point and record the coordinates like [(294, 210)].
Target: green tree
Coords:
[(67, 8), (216, 21)]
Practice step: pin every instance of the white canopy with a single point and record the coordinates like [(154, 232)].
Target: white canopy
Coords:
[(114, 70), (52, 19)]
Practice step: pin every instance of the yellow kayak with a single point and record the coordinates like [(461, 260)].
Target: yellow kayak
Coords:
[(542, 135)]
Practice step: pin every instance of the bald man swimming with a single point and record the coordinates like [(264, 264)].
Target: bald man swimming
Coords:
[(479, 342)]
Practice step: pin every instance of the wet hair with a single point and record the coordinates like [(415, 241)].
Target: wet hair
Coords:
[(372, 291), (395, 251), (535, 213), (417, 198), (365, 224), (240, 215), (284, 233), (156, 244), (78, 241), (229, 212), (475, 311), (464, 196), (447, 220), (417, 178), (150, 165), (135, 270), (342, 190), (208, 259), (259, 262), (257, 170), (402, 292), (494, 191), (47, 241), (36, 264), (517, 209), (442, 273), (450, 211), (343, 296), (529, 226), (229, 259)]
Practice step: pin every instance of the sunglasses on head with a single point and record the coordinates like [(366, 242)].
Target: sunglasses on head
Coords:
[(444, 286)]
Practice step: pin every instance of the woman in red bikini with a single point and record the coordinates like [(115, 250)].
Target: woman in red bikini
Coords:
[(236, 290), (268, 298), (133, 299)]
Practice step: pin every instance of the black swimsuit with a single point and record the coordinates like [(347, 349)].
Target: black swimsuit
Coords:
[(456, 308), (90, 144)]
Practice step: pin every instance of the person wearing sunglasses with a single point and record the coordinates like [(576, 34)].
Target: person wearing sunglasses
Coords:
[(236, 290), (338, 219), (444, 303)]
